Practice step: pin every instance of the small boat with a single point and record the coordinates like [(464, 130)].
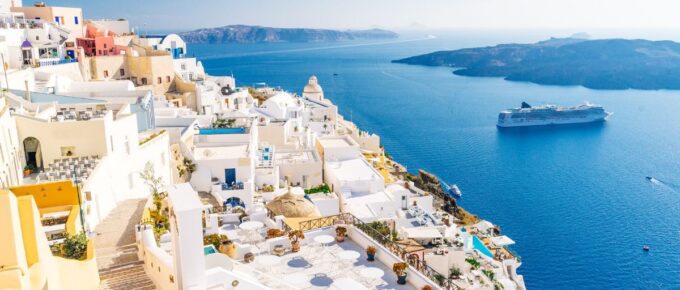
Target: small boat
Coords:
[(453, 190), (646, 248), (335, 74), (650, 178)]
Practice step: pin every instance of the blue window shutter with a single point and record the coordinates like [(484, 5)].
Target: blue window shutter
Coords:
[(76, 19), (56, 19)]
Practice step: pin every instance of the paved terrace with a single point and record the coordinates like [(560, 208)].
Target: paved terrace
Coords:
[(316, 268)]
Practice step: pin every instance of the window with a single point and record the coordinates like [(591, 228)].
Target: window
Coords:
[(167, 79), (106, 73), (184, 66), (56, 19), (127, 145), (144, 81), (122, 72), (75, 19), (105, 45), (160, 80), (37, 37), (131, 180)]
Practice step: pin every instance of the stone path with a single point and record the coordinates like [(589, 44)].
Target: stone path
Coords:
[(116, 251)]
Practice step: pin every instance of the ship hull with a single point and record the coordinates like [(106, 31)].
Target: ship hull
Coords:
[(554, 121)]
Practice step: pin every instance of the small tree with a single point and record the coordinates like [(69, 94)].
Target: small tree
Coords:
[(455, 272), (149, 176)]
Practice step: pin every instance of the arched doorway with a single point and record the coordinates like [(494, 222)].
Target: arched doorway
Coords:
[(234, 202), (33, 153)]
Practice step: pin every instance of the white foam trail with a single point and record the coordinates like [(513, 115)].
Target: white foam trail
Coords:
[(310, 49)]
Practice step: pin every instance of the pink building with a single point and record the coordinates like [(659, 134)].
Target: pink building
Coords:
[(98, 43)]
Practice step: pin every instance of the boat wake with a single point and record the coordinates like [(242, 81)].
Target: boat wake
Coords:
[(657, 182)]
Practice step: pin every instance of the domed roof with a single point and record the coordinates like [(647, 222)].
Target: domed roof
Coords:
[(313, 86), (291, 205)]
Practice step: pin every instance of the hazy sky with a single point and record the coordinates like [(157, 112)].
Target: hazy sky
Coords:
[(395, 14)]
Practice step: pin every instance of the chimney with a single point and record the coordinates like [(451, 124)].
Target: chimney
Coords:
[(28, 92), (39, 4)]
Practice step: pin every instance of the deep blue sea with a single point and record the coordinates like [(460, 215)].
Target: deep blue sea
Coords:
[(575, 199)]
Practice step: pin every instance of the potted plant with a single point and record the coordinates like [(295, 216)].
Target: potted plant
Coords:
[(295, 237), (399, 268), (27, 170), (340, 234), (455, 273), (370, 252), (228, 248), (426, 287)]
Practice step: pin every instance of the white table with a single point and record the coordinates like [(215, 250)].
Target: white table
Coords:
[(324, 239), (371, 274), (251, 228), (347, 284), (268, 261), (347, 258)]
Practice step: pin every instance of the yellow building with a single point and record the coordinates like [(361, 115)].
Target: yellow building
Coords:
[(27, 261), (145, 67)]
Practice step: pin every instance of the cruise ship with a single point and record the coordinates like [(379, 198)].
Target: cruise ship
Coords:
[(551, 115)]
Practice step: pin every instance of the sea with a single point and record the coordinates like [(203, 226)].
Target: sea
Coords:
[(575, 199)]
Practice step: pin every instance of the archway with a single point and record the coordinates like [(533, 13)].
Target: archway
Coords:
[(234, 202), (33, 153)]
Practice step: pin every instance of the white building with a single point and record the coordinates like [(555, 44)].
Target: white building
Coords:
[(101, 139), (225, 161), (10, 148)]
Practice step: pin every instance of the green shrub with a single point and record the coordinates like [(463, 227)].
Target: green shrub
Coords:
[(215, 240), (74, 246), (323, 188)]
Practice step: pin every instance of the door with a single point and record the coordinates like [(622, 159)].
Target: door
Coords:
[(230, 176)]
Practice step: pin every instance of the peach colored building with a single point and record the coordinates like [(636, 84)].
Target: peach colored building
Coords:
[(68, 18)]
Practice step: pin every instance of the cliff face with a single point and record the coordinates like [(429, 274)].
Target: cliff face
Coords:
[(596, 64), (256, 34)]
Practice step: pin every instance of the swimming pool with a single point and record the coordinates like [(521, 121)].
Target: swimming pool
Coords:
[(479, 246), (217, 131), (209, 249)]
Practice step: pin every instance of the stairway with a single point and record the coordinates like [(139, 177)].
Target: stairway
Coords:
[(116, 249), (129, 276)]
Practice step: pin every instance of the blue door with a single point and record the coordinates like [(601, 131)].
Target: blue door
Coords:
[(230, 176)]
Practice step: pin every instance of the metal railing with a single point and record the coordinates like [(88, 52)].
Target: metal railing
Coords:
[(444, 281)]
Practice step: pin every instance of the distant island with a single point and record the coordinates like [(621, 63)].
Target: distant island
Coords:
[(258, 34), (606, 64)]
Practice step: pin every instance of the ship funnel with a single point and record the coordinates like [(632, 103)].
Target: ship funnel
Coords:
[(525, 105)]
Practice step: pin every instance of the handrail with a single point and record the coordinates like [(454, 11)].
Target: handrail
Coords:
[(12, 268), (443, 281)]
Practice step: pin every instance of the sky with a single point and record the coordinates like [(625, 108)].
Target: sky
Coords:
[(389, 14)]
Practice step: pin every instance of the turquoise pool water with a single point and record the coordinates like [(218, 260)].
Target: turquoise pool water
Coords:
[(209, 249), (218, 131), (479, 246)]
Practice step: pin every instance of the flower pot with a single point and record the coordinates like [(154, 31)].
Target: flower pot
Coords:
[(371, 257), (295, 247), (27, 172), (340, 238), (228, 249), (401, 280)]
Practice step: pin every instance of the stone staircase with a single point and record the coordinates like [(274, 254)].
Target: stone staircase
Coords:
[(130, 276), (116, 250)]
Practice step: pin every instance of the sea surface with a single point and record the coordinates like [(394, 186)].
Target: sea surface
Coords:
[(575, 198)]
